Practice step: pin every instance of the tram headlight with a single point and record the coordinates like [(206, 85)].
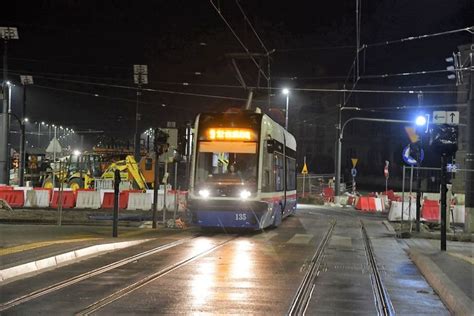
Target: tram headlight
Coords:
[(244, 194), (204, 193)]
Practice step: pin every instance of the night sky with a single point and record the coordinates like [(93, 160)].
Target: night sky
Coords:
[(69, 45)]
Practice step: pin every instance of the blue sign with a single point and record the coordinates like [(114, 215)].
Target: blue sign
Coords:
[(452, 167), (354, 172), (409, 159)]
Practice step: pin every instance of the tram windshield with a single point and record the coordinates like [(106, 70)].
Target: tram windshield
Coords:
[(234, 167)]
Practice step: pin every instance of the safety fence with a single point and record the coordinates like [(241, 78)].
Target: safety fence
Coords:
[(395, 202), (27, 197)]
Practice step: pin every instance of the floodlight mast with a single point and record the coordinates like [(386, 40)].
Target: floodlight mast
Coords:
[(7, 33)]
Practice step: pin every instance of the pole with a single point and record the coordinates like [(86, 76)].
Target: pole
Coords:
[(137, 135), (443, 201), (39, 135), (469, 184), (54, 157), (286, 111), (116, 202), (411, 192), (403, 199), (418, 196), (4, 168), (23, 140), (165, 191), (304, 173), (156, 179), (337, 187)]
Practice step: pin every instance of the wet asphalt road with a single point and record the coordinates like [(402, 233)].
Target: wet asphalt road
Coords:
[(242, 273)]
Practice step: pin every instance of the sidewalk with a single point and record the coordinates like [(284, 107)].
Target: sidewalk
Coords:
[(450, 273), (26, 249)]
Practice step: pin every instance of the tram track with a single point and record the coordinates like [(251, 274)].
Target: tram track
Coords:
[(153, 277), (382, 300), (89, 274), (303, 294)]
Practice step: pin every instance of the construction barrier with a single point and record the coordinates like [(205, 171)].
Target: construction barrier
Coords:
[(68, 199), (182, 200), (395, 213), (5, 187), (14, 198), (88, 199), (430, 210), (459, 213), (379, 205), (139, 201), (328, 194), (369, 204), (392, 196), (431, 196), (459, 199), (38, 198)]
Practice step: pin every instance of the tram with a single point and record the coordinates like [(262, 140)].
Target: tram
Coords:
[(243, 171)]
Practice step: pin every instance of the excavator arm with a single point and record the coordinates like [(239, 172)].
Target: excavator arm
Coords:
[(130, 166)]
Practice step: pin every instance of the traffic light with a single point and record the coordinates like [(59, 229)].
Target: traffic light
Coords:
[(160, 142), (444, 138), (455, 68)]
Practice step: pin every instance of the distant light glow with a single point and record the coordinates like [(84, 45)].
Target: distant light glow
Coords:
[(245, 194), (286, 91), (204, 193), (420, 120), (76, 152), (26, 119)]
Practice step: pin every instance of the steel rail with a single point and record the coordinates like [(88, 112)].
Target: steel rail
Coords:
[(303, 294), (86, 275), (382, 299), (135, 286)]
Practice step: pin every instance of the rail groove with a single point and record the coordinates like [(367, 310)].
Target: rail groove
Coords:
[(303, 294), (86, 275), (132, 287), (382, 299)]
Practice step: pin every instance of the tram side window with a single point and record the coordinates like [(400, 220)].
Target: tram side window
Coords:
[(267, 171), (279, 172), (291, 174)]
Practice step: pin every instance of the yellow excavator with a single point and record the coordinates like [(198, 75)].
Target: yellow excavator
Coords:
[(80, 171)]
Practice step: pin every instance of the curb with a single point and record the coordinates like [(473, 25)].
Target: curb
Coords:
[(457, 302), (64, 259)]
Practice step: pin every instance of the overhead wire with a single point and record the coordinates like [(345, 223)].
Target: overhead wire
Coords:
[(239, 40), (253, 87)]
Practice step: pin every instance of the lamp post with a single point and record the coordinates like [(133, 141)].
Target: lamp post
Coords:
[(25, 80), (7, 33), (286, 92), (339, 144), (140, 77)]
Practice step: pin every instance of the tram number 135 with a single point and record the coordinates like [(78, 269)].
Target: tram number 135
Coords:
[(240, 217)]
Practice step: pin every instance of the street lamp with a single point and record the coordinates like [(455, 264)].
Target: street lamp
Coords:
[(7, 33), (286, 92)]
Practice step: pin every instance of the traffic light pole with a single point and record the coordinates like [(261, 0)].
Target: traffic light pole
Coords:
[(469, 184), (444, 175)]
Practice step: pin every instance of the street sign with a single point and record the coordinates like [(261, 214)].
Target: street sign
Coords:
[(452, 117), (305, 169), (385, 169), (409, 159), (354, 172), (439, 117), (54, 146), (446, 117), (354, 162), (8, 32), (452, 167)]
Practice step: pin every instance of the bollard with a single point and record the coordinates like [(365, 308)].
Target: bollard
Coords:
[(116, 202)]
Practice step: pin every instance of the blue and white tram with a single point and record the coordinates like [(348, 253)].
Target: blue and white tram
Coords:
[(243, 171)]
